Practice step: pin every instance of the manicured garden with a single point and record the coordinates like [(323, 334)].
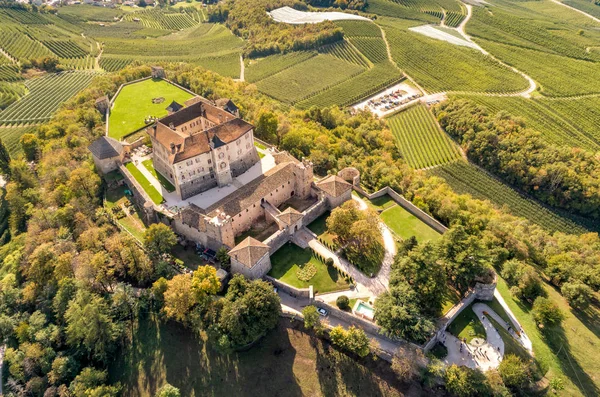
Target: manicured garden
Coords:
[(134, 104), (406, 225), (154, 194), (161, 179), (291, 263)]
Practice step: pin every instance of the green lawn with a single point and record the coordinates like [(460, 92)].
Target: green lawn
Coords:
[(569, 351), (290, 258), (260, 145), (286, 362), (154, 194), (319, 227), (467, 325), (189, 256), (161, 179), (406, 225), (134, 104)]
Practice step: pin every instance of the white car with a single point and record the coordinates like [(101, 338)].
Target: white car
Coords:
[(322, 312)]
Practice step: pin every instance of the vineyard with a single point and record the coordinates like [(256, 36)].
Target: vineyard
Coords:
[(557, 75), (9, 72), (308, 78), (373, 48), (420, 140), (24, 17), (227, 65), (453, 19), (114, 64), (368, 83), (10, 137), (465, 178), (65, 48), (359, 28), (553, 118), (273, 64), (20, 46), (395, 10), (157, 19), (439, 66), (85, 13), (10, 92), (45, 95), (345, 51)]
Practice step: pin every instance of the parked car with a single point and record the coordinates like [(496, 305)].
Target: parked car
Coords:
[(322, 312)]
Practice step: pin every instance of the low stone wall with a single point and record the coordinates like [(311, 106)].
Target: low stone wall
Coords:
[(407, 205), (300, 293), (265, 144)]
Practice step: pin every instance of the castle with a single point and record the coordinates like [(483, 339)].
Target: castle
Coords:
[(222, 186), (201, 146)]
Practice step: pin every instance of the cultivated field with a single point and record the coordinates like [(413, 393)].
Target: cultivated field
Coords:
[(420, 140), (45, 95)]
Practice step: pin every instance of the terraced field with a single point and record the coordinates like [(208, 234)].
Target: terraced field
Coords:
[(372, 47), (468, 179), (20, 46), (420, 140), (45, 95), (359, 29), (157, 19), (345, 51)]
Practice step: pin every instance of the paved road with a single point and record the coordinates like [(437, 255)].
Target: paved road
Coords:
[(293, 305)]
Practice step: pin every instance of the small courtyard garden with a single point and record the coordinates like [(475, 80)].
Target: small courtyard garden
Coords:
[(299, 268)]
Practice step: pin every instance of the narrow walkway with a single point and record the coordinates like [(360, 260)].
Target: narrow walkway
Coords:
[(242, 69)]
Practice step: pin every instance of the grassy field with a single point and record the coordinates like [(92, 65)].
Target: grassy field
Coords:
[(154, 194), (308, 78), (569, 351), (290, 258), (465, 178), (420, 140), (467, 326), (163, 181), (287, 362), (405, 224), (134, 104)]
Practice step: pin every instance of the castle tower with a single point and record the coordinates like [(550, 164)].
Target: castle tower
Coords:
[(304, 178), (220, 160)]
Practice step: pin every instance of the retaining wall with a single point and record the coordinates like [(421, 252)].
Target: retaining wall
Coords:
[(301, 293), (315, 211), (277, 240), (140, 197)]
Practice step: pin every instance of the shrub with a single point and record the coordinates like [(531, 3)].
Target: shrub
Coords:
[(343, 302), (329, 262), (353, 340), (577, 294), (306, 272), (514, 372), (545, 312)]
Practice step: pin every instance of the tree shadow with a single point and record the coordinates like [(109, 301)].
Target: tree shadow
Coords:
[(556, 339), (169, 352)]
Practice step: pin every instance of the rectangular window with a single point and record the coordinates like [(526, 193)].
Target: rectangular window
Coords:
[(209, 161)]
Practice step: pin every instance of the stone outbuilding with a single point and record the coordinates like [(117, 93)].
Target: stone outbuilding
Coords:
[(290, 219), (335, 189), (107, 154), (103, 104), (157, 71), (250, 258)]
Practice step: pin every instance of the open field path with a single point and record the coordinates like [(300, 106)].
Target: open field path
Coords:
[(575, 9), (532, 84), (389, 54), (242, 69)]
